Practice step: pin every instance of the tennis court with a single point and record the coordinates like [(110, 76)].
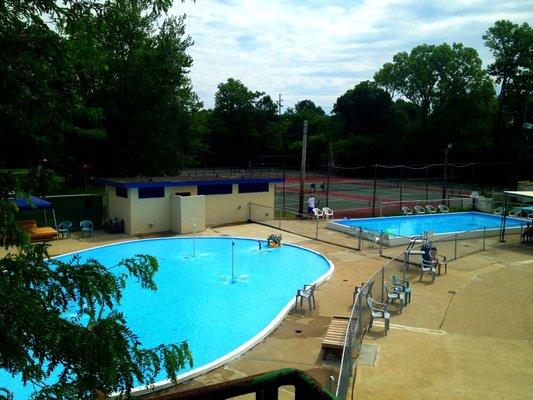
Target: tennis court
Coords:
[(353, 197)]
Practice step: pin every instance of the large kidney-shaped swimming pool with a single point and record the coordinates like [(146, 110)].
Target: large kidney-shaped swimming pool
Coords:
[(221, 314)]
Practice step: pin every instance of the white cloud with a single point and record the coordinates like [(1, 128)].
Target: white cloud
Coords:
[(319, 49)]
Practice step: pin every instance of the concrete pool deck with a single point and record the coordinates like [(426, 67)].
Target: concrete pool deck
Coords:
[(468, 336)]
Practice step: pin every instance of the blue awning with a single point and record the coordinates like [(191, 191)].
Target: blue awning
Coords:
[(31, 203)]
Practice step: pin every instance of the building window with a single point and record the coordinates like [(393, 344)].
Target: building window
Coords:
[(183, 194), (121, 192), (253, 187), (151, 192), (215, 189)]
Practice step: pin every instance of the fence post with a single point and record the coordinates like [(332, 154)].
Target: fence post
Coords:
[(360, 238), (381, 236), (279, 217), (455, 249), (316, 234), (383, 284), (484, 237), (380, 207)]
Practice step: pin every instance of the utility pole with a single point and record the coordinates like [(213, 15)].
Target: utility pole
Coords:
[(302, 170), (279, 104)]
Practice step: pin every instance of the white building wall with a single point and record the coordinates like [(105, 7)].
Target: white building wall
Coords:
[(119, 207), (154, 214), (229, 208)]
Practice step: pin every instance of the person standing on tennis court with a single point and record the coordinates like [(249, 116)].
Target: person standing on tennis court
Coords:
[(310, 204)]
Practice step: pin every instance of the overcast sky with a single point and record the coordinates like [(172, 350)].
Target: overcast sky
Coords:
[(316, 50)]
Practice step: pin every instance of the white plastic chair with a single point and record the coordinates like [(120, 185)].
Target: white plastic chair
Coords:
[(318, 213), (498, 211), (308, 293), (378, 310), (419, 210), (407, 211), (394, 294), (442, 208), (428, 267), (328, 212), (513, 213), (431, 209)]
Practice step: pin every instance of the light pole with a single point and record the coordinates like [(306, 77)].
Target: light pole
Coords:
[(448, 147)]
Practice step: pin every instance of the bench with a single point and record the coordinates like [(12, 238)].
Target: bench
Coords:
[(37, 234), (336, 333)]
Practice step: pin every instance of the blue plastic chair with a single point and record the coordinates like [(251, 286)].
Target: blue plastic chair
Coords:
[(86, 226), (64, 228)]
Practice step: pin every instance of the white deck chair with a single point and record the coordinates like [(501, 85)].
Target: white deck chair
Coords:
[(431, 209), (407, 211), (318, 213), (378, 310), (419, 210), (442, 208), (514, 213), (498, 211), (328, 212), (428, 267)]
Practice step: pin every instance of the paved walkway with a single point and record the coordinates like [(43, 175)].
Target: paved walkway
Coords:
[(468, 336)]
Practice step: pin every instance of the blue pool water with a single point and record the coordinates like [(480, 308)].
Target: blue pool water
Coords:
[(412, 225), (196, 300)]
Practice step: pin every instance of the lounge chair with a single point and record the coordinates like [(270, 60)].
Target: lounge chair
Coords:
[(514, 213), (442, 208), (86, 227), (37, 234), (498, 211), (328, 212), (318, 213), (378, 310), (419, 210), (431, 209), (407, 211), (64, 228), (308, 293)]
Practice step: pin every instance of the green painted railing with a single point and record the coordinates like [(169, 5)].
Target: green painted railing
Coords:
[(265, 386)]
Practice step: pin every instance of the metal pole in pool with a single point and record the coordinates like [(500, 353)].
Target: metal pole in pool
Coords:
[(232, 261)]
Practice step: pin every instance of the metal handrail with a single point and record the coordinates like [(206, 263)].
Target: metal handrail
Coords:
[(265, 386)]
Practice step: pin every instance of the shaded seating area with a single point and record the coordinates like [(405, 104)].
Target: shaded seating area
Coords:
[(307, 293), (37, 234)]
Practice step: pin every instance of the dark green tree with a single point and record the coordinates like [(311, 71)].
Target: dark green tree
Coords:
[(243, 124), (512, 47), (452, 94), (318, 132)]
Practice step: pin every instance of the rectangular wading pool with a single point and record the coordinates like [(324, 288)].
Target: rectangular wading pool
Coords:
[(398, 230)]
